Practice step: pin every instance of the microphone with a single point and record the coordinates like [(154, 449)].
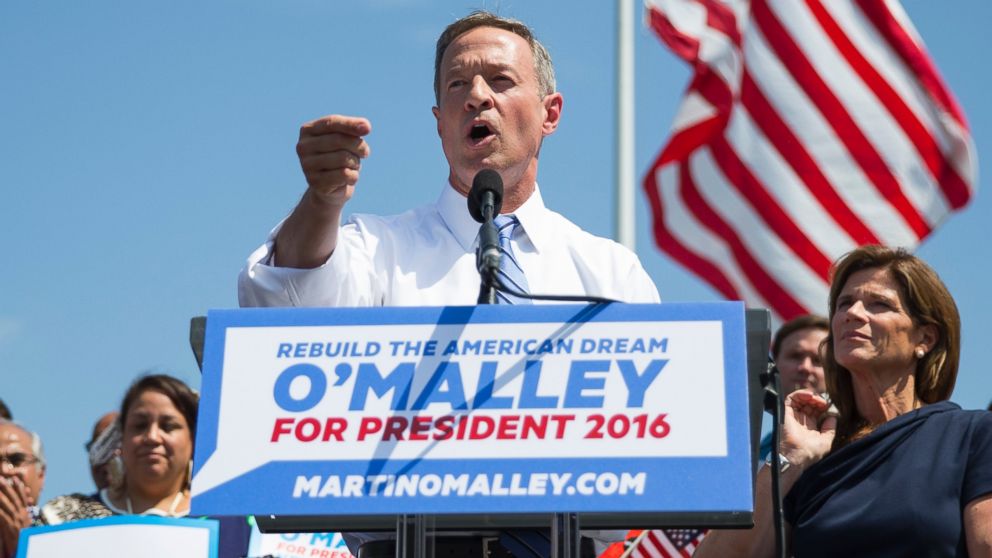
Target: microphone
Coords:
[(485, 199)]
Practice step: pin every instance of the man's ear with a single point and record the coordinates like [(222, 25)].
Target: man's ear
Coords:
[(437, 117), (552, 112)]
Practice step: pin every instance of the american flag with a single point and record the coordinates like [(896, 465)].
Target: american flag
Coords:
[(810, 127), (664, 543)]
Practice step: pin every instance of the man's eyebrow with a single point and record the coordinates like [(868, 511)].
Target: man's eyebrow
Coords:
[(498, 66)]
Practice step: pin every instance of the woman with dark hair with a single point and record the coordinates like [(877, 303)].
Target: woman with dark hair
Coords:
[(901, 471), (152, 473)]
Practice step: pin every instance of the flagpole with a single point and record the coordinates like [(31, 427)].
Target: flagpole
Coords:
[(624, 232)]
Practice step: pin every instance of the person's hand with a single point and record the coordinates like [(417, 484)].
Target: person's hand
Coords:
[(15, 498), (808, 428), (331, 150)]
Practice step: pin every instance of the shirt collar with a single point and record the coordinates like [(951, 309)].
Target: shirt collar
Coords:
[(533, 217), (453, 208)]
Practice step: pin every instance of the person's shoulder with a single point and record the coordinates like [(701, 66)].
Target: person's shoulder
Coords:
[(71, 499), (616, 270), (980, 418), (949, 419), (953, 411), (594, 245), (73, 507)]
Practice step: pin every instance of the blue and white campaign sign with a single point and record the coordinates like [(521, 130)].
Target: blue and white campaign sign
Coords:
[(123, 536), (293, 545), (488, 409)]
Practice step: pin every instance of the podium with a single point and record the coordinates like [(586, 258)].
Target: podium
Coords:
[(609, 416)]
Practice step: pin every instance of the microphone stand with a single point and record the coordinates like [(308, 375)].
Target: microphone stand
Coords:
[(487, 256), (773, 405), (503, 287)]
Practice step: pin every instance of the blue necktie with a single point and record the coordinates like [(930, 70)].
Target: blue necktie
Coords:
[(509, 271)]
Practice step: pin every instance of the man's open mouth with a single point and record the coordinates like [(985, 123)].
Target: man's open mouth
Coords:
[(479, 132)]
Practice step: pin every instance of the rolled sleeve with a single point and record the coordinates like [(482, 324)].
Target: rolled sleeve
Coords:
[(345, 279)]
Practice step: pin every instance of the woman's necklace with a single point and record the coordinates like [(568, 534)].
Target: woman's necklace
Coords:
[(170, 513)]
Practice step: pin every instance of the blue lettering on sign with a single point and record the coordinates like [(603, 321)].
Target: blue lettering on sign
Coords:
[(327, 539), (318, 387), (584, 386), (529, 399), (637, 384), (484, 398), (368, 378), (343, 372), (447, 373), (579, 381), (328, 349)]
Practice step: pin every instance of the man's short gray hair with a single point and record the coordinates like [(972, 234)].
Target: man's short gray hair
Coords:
[(36, 447), (543, 67)]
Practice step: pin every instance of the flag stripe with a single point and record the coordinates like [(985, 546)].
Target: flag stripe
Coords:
[(717, 279), (804, 133), (770, 252), (721, 18), (891, 30), (826, 102), (704, 253), (861, 197), (767, 208), (799, 158), (894, 147), (772, 170), (682, 44), (667, 543), (891, 66), (685, 141), (925, 144), (829, 153), (882, 17), (780, 300)]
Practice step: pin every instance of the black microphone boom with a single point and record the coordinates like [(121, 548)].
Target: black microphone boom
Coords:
[(484, 202), (486, 194)]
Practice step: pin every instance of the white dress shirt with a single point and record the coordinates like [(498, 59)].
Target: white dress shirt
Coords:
[(426, 257)]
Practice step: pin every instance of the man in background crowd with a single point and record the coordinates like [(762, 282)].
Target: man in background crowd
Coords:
[(22, 477), (796, 352), (102, 447)]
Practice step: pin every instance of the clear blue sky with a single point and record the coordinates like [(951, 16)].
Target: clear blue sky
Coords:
[(147, 148)]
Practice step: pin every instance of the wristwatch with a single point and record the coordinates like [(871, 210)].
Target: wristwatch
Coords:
[(784, 462)]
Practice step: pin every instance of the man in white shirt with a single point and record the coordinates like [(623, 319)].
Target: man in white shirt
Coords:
[(496, 101)]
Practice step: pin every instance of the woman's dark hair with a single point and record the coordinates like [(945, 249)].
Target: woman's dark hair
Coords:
[(927, 301), (182, 396)]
